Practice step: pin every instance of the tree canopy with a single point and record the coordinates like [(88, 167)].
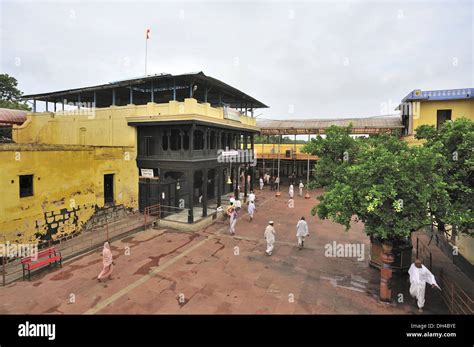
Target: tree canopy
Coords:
[(454, 143), (10, 95), (394, 188)]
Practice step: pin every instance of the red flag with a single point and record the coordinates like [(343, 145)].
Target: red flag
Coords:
[(148, 33)]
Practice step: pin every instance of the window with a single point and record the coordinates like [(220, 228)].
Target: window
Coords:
[(198, 141), (223, 141), (442, 116), (213, 140), (185, 140), (26, 186), (149, 150), (175, 140), (164, 141)]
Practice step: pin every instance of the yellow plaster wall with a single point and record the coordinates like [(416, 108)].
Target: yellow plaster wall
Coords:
[(68, 184), (108, 126), (425, 112)]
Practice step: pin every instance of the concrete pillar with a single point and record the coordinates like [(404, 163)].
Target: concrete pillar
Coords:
[(191, 197), (205, 172), (219, 175)]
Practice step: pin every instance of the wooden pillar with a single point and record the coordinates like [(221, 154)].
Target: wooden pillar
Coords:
[(205, 172), (174, 89), (191, 137), (152, 91), (236, 181), (191, 197), (220, 174), (252, 168)]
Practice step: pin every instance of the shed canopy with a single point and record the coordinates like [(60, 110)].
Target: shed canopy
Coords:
[(165, 87), (370, 125), (9, 117)]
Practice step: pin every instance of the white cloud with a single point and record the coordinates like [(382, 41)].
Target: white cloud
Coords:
[(327, 59)]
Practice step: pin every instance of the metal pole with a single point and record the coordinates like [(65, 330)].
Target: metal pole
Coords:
[(146, 50), (3, 262), (295, 169), (279, 142), (3, 269), (307, 170)]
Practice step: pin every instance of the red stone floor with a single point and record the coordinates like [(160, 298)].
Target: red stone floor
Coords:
[(166, 271)]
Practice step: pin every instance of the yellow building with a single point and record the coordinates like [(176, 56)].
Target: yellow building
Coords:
[(434, 107), (91, 154), (53, 190)]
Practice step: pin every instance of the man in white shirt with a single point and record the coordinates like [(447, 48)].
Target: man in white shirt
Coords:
[(238, 205), (270, 237), (251, 210), (252, 196), (419, 276), (301, 186), (261, 183), (291, 191), (301, 232)]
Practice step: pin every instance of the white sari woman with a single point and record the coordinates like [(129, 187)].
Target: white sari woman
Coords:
[(107, 262)]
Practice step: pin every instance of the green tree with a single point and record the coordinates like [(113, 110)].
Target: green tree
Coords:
[(454, 142), (10, 95), (335, 152), (389, 186)]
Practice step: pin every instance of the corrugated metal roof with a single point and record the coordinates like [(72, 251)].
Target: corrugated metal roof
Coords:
[(439, 95), (162, 82), (316, 126), (9, 116)]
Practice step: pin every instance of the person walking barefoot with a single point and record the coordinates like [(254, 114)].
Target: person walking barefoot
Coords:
[(270, 237), (107, 263)]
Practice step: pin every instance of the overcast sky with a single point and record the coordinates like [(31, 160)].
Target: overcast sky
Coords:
[(312, 59)]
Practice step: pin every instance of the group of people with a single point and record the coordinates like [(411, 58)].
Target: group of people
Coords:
[(270, 234), (291, 190), (302, 232), (419, 274), (272, 181)]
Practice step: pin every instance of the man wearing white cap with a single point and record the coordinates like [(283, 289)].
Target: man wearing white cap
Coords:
[(301, 232), (270, 237), (419, 276)]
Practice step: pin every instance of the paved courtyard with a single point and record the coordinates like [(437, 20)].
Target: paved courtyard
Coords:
[(166, 271)]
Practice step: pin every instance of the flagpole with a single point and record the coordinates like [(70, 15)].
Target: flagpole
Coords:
[(146, 50)]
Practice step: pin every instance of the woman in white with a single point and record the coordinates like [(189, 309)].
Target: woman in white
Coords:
[(301, 232), (251, 210), (232, 220), (252, 196), (270, 237), (291, 191), (301, 186), (419, 276), (261, 183)]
